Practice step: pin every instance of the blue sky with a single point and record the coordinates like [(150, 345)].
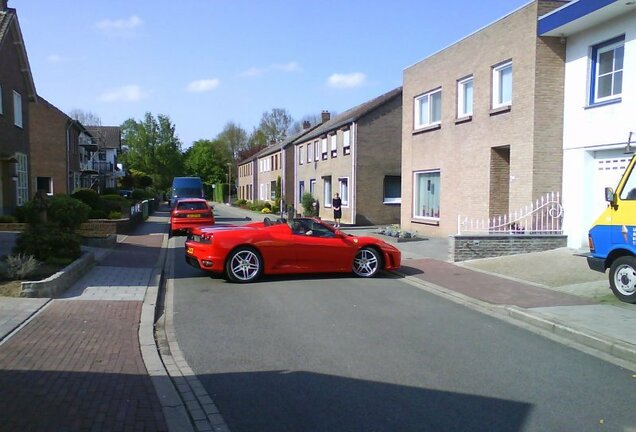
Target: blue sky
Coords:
[(207, 62)]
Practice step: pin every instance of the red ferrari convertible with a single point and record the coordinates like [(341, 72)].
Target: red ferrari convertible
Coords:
[(302, 245)]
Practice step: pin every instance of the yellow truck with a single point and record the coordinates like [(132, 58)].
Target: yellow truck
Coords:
[(612, 238)]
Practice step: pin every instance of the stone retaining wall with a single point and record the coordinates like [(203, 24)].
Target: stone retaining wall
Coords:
[(56, 284), (467, 247)]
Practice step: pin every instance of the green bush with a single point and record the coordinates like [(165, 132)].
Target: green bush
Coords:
[(142, 194), (8, 219), (67, 212), (87, 196), (48, 240), (308, 202), (114, 215), (98, 214), (109, 191), (241, 202)]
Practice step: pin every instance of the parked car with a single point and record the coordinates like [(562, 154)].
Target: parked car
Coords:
[(301, 245), (189, 213), (185, 187)]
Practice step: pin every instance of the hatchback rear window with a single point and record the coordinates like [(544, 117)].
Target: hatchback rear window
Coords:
[(191, 206)]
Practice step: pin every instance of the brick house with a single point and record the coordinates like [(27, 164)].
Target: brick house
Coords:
[(16, 91), (102, 164), (58, 145), (599, 104), (356, 154), (482, 129)]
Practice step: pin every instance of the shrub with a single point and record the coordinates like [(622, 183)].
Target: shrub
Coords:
[(8, 219), (309, 204), (48, 240), (266, 210), (20, 266), (109, 191), (98, 214), (67, 212), (114, 215), (241, 202), (87, 196)]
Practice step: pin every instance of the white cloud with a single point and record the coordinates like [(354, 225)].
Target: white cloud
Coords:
[(129, 93), (355, 79), (120, 24), (288, 67), (55, 58), (203, 85), (253, 72)]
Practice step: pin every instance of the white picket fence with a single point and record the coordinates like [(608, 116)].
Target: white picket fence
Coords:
[(544, 216)]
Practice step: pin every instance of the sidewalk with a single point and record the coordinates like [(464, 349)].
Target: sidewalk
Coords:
[(88, 361)]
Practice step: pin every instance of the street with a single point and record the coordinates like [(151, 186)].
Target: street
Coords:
[(334, 352)]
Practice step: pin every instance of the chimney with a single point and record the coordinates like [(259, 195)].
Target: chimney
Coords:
[(3, 5), (306, 125), (325, 116)]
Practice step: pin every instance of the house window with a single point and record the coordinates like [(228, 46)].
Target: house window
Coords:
[(272, 190), (343, 183), (326, 191), (324, 148), (262, 191), (346, 142), (316, 151), (502, 85), (334, 145), (312, 187), (300, 155), (310, 152), (45, 184), (17, 109), (23, 179), (426, 195), (465, 97), (392, 190), (607, 70), (301, 190), (428, 109)]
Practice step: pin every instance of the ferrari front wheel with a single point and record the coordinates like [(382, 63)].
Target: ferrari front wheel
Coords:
[(243, 265), (367, 262)]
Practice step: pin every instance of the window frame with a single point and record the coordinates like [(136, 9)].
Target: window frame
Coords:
[(22, 186), (316, 151), (346, 141), (301, 190), (333, 143), (417, 109), (312, 186), (48, 180), (17, 110), (596, 51), (310, 152), (323, 148), (497, 73), (391, 200), (414, 214), (300, 155), (461, 96), (344, 191), (326, 190)]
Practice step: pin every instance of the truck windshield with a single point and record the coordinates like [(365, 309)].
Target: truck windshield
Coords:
[(629, 189)]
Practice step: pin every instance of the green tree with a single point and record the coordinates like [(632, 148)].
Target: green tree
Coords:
[(153, 148), (235, 139), (275, 125), (208, 160)]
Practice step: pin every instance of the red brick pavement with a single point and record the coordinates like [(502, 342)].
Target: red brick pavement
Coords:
[(486, 287), (77, 366)]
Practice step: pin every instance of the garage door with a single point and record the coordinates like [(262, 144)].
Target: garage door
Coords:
[(608, 172)]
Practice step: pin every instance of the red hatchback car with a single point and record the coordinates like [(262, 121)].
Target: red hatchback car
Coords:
[(189, 213), (302, 245)]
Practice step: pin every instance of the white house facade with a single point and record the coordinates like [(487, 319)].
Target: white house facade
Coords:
[(599, 104)]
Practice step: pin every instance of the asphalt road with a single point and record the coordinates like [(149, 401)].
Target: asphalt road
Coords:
[(338, 353)]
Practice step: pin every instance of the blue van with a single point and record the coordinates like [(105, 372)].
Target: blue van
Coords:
[(186, 187)]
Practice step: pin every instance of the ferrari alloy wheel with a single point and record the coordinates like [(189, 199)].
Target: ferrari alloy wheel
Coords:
[(622, 277), (367, 262), (244, 265)]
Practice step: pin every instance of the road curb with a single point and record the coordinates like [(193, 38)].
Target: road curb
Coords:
[(174, 411), (614, 349)]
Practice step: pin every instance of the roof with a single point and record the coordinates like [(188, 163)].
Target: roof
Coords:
[(352, 115), (106, 136), (8, 18), (580, 15)]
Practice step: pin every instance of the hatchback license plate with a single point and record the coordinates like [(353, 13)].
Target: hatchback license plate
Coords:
[(194, 215)]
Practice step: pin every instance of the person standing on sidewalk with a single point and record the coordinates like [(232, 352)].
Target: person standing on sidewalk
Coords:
[(337, 211)]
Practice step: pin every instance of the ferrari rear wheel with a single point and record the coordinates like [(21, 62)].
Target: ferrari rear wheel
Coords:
[(367, 262), (243, 265)]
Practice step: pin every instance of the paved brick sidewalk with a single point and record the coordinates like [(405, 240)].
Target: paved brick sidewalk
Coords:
[(75, 367)]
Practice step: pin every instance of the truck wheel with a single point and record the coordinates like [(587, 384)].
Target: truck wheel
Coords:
[(622, 277)]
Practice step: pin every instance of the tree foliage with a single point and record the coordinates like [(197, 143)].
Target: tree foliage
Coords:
[(86, 118), (153, 148), (208, 160), (235, 139), (275, 125)]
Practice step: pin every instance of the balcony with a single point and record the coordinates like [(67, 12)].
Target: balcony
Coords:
[(97, 167), (88, 143)]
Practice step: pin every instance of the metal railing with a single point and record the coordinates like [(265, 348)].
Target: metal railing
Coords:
[(544, 216)]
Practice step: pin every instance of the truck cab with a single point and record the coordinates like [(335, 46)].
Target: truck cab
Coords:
[(612, 238)]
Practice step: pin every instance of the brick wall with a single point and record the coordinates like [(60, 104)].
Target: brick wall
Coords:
[(462, 248), (48, 146)]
